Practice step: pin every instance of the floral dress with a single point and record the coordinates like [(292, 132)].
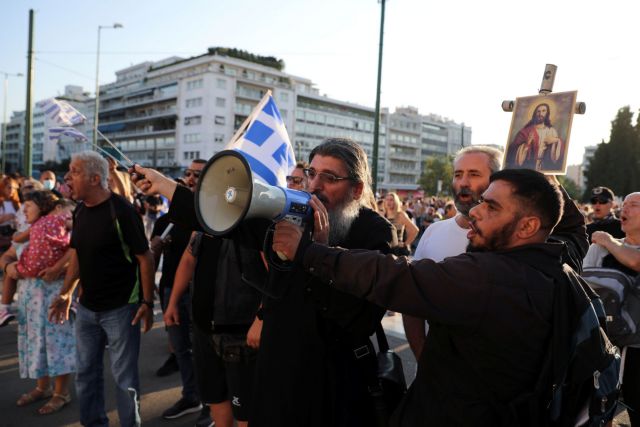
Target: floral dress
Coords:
[(44, 348)]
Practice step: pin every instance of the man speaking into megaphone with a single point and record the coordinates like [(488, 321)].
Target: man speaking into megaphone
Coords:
[(315, 362)]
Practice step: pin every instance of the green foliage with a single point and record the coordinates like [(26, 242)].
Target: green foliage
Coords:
[(268, 61), (572, 188), (616, 163), (437, 168)]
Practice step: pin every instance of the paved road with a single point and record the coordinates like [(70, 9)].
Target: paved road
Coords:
[(157, 393)]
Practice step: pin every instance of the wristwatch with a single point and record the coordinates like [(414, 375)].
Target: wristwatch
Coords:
[(147, 303)]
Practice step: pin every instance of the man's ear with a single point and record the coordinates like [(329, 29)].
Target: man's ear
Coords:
[(357, 191), (528, 227)]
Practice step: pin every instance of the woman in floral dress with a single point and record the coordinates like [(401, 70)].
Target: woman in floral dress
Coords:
[(46, 350)]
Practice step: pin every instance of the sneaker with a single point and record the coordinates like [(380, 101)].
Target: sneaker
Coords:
[(5, 317), (169, 367), (182, 407), (204, 419)]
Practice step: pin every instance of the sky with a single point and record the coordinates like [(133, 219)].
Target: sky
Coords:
[(456, 58)]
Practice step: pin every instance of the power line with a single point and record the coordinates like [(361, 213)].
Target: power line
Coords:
[(63, 68)]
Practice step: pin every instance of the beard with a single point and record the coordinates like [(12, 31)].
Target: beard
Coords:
[(497, 241), (465, 207), (341, 218)]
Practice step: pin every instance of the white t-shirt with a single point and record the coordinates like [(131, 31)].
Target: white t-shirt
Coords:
[(596, 253), (442, 239)]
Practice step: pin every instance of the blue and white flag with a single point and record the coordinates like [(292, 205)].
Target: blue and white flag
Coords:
[(60, 113), (265, 144), (57, 132)]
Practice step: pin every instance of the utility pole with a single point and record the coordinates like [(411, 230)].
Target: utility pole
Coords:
[(28, 137), (376, 123)]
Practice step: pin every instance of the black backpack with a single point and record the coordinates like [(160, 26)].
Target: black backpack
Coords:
[(579, 382), (621, 300)]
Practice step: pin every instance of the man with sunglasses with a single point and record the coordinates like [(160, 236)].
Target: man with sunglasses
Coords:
[(298, 180), (603, 217), (192, 173)]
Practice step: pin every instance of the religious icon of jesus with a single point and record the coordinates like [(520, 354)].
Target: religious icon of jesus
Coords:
[(539, 134)]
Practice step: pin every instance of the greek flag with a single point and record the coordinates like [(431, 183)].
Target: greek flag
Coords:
[(60, 113), (264, 142), (57, 132)]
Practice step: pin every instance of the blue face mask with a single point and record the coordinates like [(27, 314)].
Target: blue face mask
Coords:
[(48, 184)]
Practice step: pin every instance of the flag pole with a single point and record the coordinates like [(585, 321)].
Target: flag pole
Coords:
[(115, 148)]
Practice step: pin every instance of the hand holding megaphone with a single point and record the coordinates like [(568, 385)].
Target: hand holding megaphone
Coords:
[(287, 235), (286, 239)]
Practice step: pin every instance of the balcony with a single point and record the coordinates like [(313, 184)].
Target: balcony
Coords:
[(140, 133), (137, 101), (169, 112)]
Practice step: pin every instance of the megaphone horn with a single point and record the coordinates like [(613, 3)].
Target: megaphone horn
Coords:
[(228, 193)]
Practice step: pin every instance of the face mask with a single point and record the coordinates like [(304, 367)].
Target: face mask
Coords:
[(48, 184)]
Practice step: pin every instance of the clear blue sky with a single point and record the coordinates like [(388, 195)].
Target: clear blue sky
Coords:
[(459, 59)]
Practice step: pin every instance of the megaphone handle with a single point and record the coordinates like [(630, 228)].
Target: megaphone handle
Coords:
[(282, 256)]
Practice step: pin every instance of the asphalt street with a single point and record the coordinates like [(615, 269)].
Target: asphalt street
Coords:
[(157, 393)]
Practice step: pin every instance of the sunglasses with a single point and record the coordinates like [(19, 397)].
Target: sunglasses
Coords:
[(324, 177), (599, 201), (297, 180), (191, 173)]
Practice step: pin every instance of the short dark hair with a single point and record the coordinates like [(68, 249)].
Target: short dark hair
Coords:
[(535, 194), (199, 161), (45, 200)]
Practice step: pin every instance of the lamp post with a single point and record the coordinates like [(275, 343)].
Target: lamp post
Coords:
[(95, 114), (4, 117)]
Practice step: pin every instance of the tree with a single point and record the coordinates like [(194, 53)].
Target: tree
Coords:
[(572, 188), (437, 168), (616, 163)]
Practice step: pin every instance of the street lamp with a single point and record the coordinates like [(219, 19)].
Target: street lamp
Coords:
[(95, 116), (4, 117)]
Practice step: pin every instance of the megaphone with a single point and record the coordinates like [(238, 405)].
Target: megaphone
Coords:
[(227, 193)]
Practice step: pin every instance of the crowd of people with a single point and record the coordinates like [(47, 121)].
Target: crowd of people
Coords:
[(263, 342)]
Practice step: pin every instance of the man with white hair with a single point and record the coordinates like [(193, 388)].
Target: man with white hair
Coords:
[(472, 168), (110, 255)]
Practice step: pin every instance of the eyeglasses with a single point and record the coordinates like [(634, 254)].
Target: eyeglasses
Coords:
[(325, 178), (297, 180), (599, 201), (191, 173)]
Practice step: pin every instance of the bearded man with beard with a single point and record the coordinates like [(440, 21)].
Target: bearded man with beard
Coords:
[(308, 371), (315, 361), (491, 312), (472, 167)]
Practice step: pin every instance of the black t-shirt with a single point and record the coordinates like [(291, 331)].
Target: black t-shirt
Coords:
[(107, 237), (173, 250)]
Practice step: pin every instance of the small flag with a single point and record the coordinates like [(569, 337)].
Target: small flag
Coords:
[(56, 133), (264, 142), (60, 113)]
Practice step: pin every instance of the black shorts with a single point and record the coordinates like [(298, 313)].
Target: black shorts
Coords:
[(224, 369)]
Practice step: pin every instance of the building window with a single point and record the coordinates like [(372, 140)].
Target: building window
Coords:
[(190, 138), (195, 84), (192, 120), (284, 114), (191, 155), (194, 102), (221, 83), (284, 97), (219, 120), (218, 138), (221, 102)]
